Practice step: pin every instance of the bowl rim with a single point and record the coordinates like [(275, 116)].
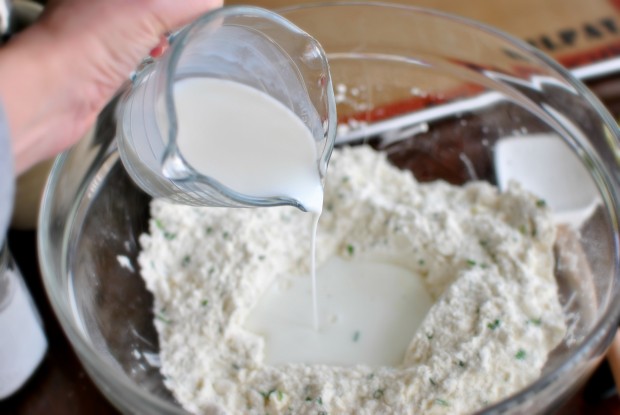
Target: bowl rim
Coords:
[(598, 338)]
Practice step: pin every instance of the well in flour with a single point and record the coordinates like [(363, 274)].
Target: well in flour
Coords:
[(484, 257)]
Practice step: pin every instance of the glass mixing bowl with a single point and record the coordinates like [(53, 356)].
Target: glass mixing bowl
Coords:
[(445, 97)]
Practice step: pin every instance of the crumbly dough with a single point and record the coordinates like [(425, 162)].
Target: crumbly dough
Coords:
[(486, 258)]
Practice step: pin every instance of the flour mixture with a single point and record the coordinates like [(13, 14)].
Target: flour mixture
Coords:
[(485, 258)]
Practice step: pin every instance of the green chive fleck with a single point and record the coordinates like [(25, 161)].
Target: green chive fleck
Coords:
[(318, 400), (161, 317), (429, 336), (205, 303), (356, 336), (521, 355), (280, 395), (170, 236), (541, 203), (350, 249), (209, 230), (261, 257), (267, 395), (378, 394), (225, 235), (159, 224), (523, 229), (471, 263), (494, 324), (186, 260), (432, 381), (345, 179), (421, 262), (535, 321), (462, 364), (442, 402)]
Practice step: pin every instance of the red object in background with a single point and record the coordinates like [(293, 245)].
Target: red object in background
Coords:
[(159, 50), (615, 3), (594, 55)]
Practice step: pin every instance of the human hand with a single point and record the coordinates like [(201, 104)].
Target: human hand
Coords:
[(56, 76)]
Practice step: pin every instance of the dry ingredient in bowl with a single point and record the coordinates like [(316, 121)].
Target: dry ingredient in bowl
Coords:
[(484, 256)]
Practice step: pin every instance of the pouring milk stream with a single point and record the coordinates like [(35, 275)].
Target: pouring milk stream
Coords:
[(250, 142)]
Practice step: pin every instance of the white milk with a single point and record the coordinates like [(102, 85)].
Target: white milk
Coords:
[(315, 300), (247, 140), (251, 143), (369, 313)]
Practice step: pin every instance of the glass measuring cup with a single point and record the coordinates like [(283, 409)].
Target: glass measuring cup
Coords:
[(248, 45)]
